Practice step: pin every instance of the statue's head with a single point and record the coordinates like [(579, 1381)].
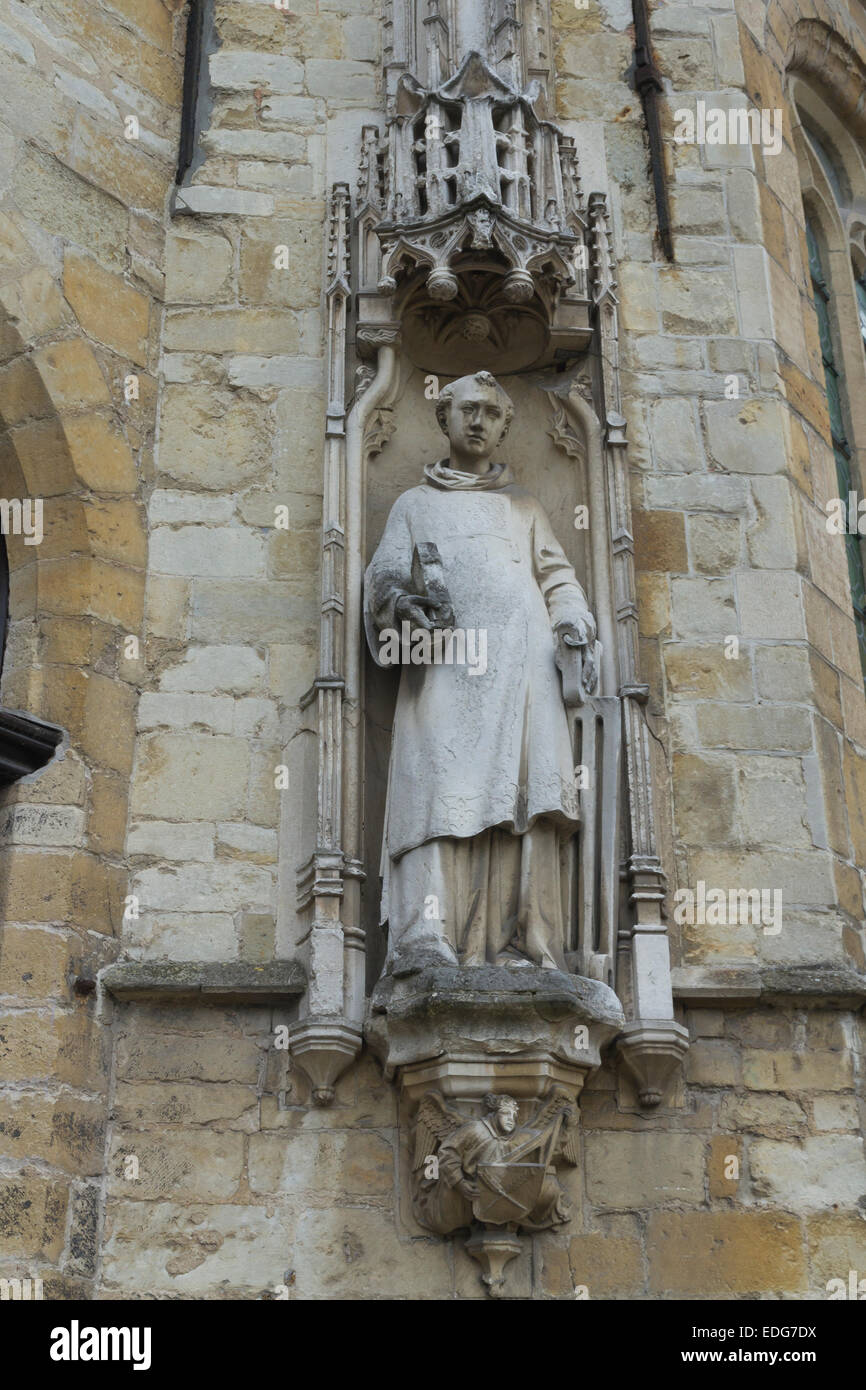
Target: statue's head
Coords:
[(504, 1110), (475, 413)]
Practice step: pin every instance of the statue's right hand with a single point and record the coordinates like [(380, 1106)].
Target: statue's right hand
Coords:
[(408, 608)]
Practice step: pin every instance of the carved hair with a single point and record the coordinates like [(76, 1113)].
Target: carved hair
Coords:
[(492, 1101), (484, 379)]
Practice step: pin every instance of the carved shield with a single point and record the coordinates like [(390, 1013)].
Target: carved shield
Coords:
[(509, 1191)]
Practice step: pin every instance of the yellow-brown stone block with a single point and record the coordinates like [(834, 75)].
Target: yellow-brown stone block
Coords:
[(100, 455), (107, 308), (725, 1253)]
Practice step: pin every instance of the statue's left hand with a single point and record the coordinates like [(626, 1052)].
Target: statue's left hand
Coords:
[(577, 632)]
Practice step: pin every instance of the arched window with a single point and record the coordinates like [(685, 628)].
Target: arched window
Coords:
[(833, 173), (841, 447)]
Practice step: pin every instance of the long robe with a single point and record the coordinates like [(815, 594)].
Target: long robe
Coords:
[(473, 751)]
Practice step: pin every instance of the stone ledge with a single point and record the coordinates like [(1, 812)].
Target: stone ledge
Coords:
[(212, 982), (210, 200), (801, 984)]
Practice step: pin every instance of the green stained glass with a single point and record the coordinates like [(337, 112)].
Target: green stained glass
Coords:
[(860, 286), (841, 448)]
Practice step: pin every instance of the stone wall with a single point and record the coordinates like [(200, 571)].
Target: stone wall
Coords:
[(84, 192), (249, 1192)]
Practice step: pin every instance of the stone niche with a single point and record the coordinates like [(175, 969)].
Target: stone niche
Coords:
[(546, 457)]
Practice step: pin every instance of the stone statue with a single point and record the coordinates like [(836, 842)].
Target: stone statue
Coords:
[(470, 591), (489, 1170)]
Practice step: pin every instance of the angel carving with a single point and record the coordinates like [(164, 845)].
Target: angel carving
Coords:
[(489, 1169)]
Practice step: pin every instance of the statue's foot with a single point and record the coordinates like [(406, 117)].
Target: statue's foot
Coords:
[(408, 960)]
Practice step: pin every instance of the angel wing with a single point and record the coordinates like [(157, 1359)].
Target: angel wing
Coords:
[(559, 1103), (436, 1120)]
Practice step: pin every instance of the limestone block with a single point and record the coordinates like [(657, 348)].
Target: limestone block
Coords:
[(836, 1243), (67, 1133), (836, 1112), (66, 205), (184, 1103), (723, 1178), (283, 145), (178, 1057), (210, 438), (189, 936), (255, 843), (34, 963), (804, 877), (229, 611), (753, 1252), (696, 492), (227, 885), (770, 604), (199, 550), (676, 441), (638, 298), (235, 69), (230, 330), (198, 265), (774, 1117), (772, 798), (344, 82), (300, 282), (818, 1171), (797, 1072), (342, 1250), (201, 1164), (107, 308), (42, 825), (697, 210), (705, 800), (751, 271), (101, 456), (715, 543), (711, 1062), (28, 1046), (195, 777), (196, 1251), (277, 110), (701, 607), (360, 1163), (236, 669), (784, 672), (746, 436), (643, 1170), (173, 507), (170, 840), (167, 602), (697, 301), (608, 1266), (72, 374), (33, 1215)]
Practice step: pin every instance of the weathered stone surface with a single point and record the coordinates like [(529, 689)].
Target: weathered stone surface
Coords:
[(818, 1171), (643, 1170)]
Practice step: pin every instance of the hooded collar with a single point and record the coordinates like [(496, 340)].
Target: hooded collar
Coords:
[(441, 476)]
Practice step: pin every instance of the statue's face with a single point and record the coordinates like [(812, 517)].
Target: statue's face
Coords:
[(475, 419), (507, 1115)]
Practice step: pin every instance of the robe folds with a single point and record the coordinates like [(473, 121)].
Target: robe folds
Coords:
[(473, 750)]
